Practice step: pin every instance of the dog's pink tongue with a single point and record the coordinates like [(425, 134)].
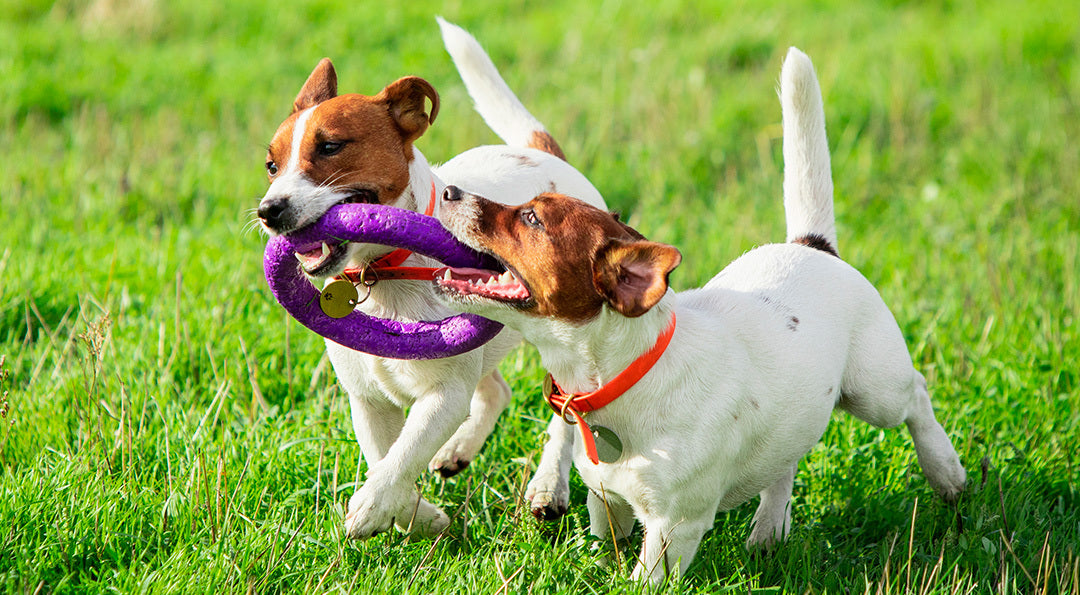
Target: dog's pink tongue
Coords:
[(311, 259)]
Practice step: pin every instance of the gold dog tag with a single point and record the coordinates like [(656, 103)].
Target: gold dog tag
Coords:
[(549, 385), (608, 446), (338, 299)]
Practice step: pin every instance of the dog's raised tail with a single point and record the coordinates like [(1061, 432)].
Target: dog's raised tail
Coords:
[(808, 188), (493, 99)]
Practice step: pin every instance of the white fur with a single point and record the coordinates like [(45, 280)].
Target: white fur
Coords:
[(808, 188), (760, 357), (455, 401), (452, 403), (494, 100)]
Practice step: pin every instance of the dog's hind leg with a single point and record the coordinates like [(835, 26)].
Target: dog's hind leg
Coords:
[(936, 454), (881, 387), (772, 521), (491, 396)]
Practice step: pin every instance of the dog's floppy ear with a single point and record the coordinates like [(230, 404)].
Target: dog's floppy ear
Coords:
[(405, 97), (633, 275), (320, 86)]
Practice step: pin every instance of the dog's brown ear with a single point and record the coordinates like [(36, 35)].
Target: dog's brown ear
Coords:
[(405, 97), (629, 230), (633, 275), (321, 85)]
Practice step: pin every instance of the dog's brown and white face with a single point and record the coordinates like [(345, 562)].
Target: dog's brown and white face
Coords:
[(341, 149), (563, 258)]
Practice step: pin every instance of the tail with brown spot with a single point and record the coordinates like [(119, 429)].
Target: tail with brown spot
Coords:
[(493, 99), (808, 188)]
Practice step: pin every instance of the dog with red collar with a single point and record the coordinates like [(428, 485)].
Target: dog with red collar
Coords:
[(693, 402), (335, 149)]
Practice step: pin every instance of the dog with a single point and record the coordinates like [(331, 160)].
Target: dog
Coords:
[(755, 361), (352, 148)]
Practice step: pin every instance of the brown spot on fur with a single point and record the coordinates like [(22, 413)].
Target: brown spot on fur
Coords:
[(524, 161), (545, 142), (817, 242), (793, 323)]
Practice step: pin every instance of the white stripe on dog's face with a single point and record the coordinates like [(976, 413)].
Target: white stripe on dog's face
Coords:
[(305, 201), (297, 138)]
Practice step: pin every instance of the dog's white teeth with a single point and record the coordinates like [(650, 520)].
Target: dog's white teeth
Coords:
[(325, 249), (300, 257), (490, 281), (506, 277), (446, 275)]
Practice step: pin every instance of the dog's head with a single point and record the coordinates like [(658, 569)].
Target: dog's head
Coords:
[(343, 149), (563, 259)]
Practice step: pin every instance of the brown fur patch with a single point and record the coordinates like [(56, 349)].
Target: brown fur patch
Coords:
[(373, 152), (545, 142), (817, 242), (557, 259)]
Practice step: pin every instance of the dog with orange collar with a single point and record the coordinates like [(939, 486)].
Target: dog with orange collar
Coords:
[(694, 402), (351, 148)]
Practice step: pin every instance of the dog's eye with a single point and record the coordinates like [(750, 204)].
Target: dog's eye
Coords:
[(271, 168), (328, 148), (528, 216)]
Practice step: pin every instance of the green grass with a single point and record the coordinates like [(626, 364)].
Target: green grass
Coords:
[(167, 428)]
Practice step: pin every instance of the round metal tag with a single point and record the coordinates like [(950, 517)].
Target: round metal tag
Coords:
[(549, 385), (608, 446), (338, 299)]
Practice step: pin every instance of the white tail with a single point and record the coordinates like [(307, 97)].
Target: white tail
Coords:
[(808, 188), (496, 103)]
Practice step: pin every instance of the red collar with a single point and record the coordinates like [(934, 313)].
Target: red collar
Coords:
[(578, 403), (389, 266)]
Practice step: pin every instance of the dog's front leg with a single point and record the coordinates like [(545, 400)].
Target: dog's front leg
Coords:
[(548, 492), (388, 496), (670, 546), (491, 396)]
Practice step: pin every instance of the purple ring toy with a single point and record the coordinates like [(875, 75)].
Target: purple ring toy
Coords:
[(389, 226)]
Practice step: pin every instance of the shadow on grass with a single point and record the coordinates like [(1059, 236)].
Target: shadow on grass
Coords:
[(1015, 526)]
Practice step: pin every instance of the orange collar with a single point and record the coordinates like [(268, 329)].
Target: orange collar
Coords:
[(389, 266), (578, 403)]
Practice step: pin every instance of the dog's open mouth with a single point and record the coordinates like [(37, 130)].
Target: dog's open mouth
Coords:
[(323, 258), (505, 286)]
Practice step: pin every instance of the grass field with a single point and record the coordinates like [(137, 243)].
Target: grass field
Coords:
[(166, 428)]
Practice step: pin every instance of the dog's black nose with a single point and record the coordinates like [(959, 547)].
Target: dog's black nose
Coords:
[(272, 210), (452, 193)]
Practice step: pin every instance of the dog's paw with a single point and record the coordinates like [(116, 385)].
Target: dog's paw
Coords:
[(423, 518), (372, 512), (457, 453), (448, 464), (951, 488), (763, 539), (547, 502)]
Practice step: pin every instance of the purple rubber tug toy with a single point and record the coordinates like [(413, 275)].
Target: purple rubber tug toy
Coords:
[(388, 226)]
